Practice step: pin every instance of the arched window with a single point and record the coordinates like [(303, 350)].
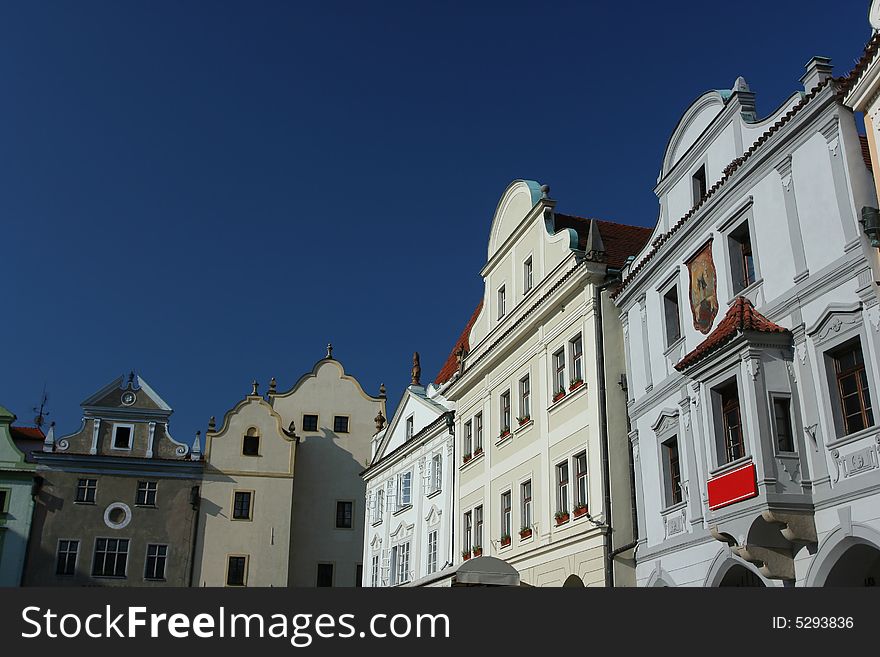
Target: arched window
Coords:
[(250, 444)]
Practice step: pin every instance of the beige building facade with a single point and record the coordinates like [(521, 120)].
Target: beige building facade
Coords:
[(540, 423)]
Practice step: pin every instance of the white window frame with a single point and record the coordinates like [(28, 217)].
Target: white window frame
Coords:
[(116, 426), (501, 296), (576, 359), (526, 504), (528, 275), (433, 541), (525, 396), (436, 472)]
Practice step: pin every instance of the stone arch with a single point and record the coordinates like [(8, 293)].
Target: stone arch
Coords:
[(835, 546), (573, 581), (723, 563), (659, 578)]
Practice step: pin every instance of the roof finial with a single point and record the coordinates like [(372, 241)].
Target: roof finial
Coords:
[(256, 386), (272, 385), (416, 370), (196, 452), (380, 421), (329, 350), (131, 377), (212, 423), (381, 389), (545, 191), (49, 441)]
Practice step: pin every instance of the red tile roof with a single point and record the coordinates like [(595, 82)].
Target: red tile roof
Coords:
[(621, 240), (450, 367), (27, 433), (740, 317), (866, 151)]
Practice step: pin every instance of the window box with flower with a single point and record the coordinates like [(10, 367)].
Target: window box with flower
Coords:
[(477, 551), (465, 554), (504, 433), (525, 532), (575, 384), (579, 510), (467, 457), (559, 394), (478, 451), (561, 517), (523, 420), (505, 540)]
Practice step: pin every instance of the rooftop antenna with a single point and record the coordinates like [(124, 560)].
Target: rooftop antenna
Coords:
[(41, 411)]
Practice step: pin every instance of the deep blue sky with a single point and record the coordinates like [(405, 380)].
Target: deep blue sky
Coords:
[(208, 192)]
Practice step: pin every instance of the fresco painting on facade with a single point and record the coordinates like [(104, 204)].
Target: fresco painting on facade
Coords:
[(703, 289)]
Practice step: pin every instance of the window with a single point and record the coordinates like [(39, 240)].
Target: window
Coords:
[(236, 570), (559, 372), (468, 531), (525, 398), (525, 492), (402, 563), (146, 493), (671, 471), (505, 515), (742, 262), (698, 182), (502, 302), (404, 489), (576, 348), (580, 482), (374, 572), (478, 527), (155, 565), (250, 444), (310, 422), (380, 504), (86, 490), (672, 315), (478, 432), (436, 472), (325, 575), (505, 410), (782, 424), (409, 427), (344, 514), (122, 436), (853, 394), (340, 424), (467, 443), (432, 552), (562, 487), (731, 423), (241, 505), (111, 557), (359, 575), (527, 276), (66, 562), (4, 500), (393, 565)]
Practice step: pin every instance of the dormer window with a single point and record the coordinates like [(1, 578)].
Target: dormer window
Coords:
[(122, 434), (409, 427), (698, 182), (502, 302)]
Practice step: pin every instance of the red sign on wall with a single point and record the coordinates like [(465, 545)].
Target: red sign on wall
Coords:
[(733, 486)]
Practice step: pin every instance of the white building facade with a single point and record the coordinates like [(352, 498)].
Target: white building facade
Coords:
[(409, 492), (751, 323)]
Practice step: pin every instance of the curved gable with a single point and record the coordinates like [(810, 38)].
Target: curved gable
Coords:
[(692, 124), (516, 202)]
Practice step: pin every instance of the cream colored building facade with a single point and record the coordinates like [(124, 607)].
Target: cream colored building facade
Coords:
[(540, 423), (282, 499)]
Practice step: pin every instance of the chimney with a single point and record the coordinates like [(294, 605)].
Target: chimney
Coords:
[(818, 70)]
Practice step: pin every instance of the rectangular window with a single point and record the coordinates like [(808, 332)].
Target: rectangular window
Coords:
[(122, 436), (380, 504), (468, 532), (241, 506), (340, 425), (66, 562), (478, 527), (236, 571), (4, 500), (404, 490), (672, 315), (731, 423), (580, 482), (478, 432), (782, 422), (111, 557), (374, 572), (344, 514), (562, 487), (403, 563), (576, 348), (527, 276), (432, 552), (525, 491), (467, 442), (310, 422), (155, 564), (325, 575), (146, 493), (559, 372), (505, 515), (436, 472), (250, 443), (698, 182), (502, 302), (505, 410), (86, 491), (525, 398), (359, 575), (409, 427), (672, 471), (853, 394), (393, 562), (742, 261)]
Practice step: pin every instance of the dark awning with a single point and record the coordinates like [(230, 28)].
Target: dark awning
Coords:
[(486, 571)]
